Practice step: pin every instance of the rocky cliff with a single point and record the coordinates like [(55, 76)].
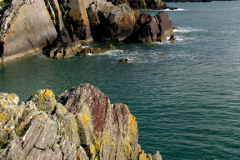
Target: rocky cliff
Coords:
[(59, 27), (80, 123)]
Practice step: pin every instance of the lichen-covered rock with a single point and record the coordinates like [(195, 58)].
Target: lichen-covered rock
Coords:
[(79, 124), (44, 100), (108, 131)]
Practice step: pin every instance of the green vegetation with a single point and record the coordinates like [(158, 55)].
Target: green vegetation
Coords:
[(4, 2)]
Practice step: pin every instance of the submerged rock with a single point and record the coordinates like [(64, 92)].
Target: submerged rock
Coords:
[(80, 123), (123, 60), (86, 51)]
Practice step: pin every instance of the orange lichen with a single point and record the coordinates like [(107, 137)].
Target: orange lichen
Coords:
[(84, 119), (3, 102), (142, 156), (11, 96), (3, 116), (132, 129), (47, 93)]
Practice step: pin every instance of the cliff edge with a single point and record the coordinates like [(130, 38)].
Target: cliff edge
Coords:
[(80, 123)]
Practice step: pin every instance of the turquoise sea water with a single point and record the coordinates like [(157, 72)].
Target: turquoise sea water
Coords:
[(187, 104)]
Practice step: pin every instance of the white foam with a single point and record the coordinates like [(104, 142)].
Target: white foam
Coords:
[(179, 9), (188, 29)]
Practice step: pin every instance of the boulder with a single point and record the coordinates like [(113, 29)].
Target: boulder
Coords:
[(114, 23)]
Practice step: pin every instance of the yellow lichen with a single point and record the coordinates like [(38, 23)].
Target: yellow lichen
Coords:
[(84, 119), (142, 156), (132, 129), (3, 116)]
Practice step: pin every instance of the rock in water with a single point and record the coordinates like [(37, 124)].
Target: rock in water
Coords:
[(79, 124), (150, 29), (172, 38)]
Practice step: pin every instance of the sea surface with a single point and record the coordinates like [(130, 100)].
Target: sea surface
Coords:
[(187, 104)]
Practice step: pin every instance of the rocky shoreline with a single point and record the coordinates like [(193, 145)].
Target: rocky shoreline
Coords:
[(79, 123), (60, 27)]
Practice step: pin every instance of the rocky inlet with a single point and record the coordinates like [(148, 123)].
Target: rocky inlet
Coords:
[(60, 27), (79, 123)]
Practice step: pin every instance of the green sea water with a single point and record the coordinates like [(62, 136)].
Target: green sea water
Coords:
[(187, 104)]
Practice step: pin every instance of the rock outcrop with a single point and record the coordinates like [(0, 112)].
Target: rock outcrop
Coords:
[(25, 28), (151, 29), (58, 28), (121, 23), (80, 123)]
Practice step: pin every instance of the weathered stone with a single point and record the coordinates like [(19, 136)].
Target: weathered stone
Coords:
[(26, 27), (157, 156), (47, 136), (101, 125), (63, 46), (76, 20), (151, 29), (44, 100), (84, 125), (113, 23)]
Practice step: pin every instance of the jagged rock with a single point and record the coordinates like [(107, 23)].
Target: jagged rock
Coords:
[(25, 29), (76, 20), (59, 27), (114, 23), (121, 23), (79, 124), (172, 38), (102, 125), (63, 46), (151, 29)]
